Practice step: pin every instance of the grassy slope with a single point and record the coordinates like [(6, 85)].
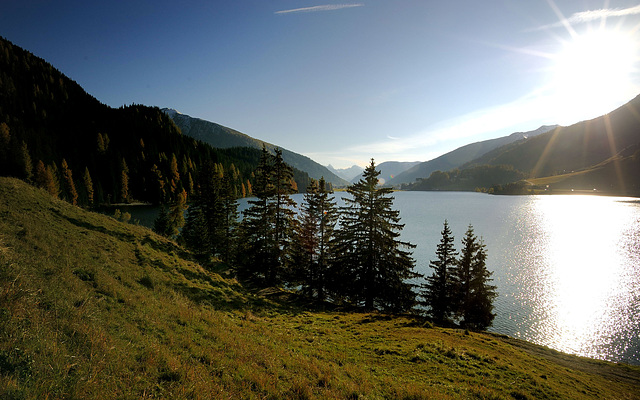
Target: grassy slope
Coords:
[(615, 176), (93, 308)]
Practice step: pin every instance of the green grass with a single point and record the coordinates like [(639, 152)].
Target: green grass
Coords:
[(92, 308)]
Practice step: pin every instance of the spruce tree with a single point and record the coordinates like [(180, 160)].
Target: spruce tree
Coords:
[(473, 295), (216, 201), (169, 222), (437, 291), (373, 266), (257, 258), (208, 200), (24, 161), (284, 215), (313, 240), (161, 223), (195, 233), (228, 220)]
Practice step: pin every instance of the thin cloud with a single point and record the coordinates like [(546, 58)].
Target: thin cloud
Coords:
[(587, 16), (326, 7), (593, 15)]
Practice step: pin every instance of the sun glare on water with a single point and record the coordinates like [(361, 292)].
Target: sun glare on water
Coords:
[(593, 72)]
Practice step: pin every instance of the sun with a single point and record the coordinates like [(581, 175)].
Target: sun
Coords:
[(592, 73)]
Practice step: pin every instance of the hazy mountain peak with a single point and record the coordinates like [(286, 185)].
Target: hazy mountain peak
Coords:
[(346, 173)]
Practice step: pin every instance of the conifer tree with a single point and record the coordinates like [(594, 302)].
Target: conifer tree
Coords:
[(313, 239), (258, 259), (195, 233), (176, 213), (438, 291), (88, 186), (102, 143), (26, 166), (69, 186), (161, 223), (124, 181), (53, 186), (228, 220), (40, 175), (174, 175), (158, 184), (209, 199), (473, 294), (44, 179), (285, 214), (372, 263)]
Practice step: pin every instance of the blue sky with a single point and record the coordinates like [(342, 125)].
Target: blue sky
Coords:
[(345, 81)]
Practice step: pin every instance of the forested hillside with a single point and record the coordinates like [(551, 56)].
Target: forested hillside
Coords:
[(222, 137), (57, 136)]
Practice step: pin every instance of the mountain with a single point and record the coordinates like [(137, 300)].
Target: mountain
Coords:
[(617, 175), (573, 148), (462, 155), (222, 137), (346, 173), (600, 155), (389, 169), (56, 135)]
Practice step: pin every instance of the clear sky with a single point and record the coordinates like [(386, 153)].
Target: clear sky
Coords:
[(342, 81)]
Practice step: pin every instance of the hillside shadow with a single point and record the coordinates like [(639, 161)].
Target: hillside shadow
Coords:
[(96, 228)]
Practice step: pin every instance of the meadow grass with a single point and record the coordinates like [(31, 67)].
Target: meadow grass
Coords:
[(93, 308)]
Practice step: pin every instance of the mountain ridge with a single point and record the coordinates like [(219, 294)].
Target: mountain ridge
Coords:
[(220, 136), (571, 148), (346, 173), (458, 157), (389, 169)]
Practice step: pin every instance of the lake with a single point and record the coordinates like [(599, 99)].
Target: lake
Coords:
[(567, 268)]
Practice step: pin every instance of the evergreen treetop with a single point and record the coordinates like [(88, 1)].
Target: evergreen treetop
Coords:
[(375, 263), (438, 290)]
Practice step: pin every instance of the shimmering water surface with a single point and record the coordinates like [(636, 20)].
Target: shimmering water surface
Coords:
[(567, 268)]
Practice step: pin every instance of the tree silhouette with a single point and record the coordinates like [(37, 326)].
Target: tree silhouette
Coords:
[(258, 259), (438, 291), (313, 240), (473, 294), (371, 262), (88, 187)]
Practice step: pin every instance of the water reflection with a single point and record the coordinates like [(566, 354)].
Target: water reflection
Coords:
[(579, 282), (567, 268)]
